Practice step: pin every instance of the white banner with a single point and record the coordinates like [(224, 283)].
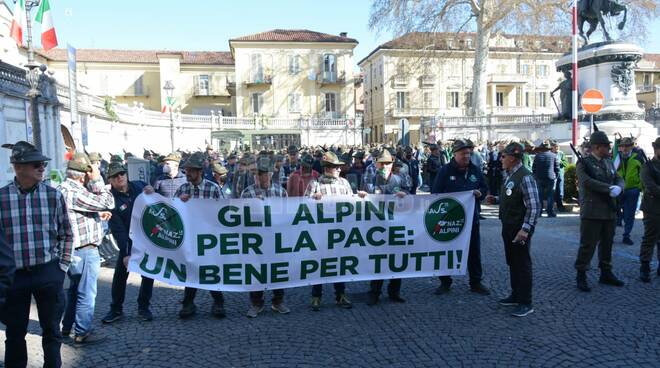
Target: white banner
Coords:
[(254, 244)]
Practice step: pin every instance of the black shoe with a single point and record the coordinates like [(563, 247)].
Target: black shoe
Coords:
[(628, 241), (582, 284), (396, 298), (479, 289), (508, 301), (442, 289), (66, 333), (218, 310), (552, 215), (522, 310), (112, 316), (608, 278), (619, 224), (188, 310), (482, 217), (372, 298), (145, 315)]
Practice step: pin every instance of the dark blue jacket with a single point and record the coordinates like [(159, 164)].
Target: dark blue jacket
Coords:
[(545, 166), (120, 222), (452, 179), (7, 269)]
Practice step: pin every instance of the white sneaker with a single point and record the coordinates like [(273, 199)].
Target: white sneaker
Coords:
[(280, 308), (254, 311)]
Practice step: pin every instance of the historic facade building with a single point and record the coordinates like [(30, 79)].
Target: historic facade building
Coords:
[(427, 77)]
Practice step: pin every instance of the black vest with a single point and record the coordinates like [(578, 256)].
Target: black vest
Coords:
[(512, 207)]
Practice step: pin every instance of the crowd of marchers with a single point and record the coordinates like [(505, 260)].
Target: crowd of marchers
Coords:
[(49, 231)]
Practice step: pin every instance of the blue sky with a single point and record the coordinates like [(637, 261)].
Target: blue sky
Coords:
[(209, 24)]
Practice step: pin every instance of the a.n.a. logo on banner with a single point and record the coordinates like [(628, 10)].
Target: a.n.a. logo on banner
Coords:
[(444, 219), (163, 226)]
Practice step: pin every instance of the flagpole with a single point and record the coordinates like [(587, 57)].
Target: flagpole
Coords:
[(33, 75), (574, 110)]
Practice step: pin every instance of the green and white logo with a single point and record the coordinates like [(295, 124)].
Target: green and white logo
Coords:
[(162, 225), (444, 219)]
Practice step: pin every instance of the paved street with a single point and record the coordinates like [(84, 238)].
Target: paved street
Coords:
[(607, 327)]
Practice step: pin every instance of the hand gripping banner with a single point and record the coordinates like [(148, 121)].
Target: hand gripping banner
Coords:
[(255, 244)]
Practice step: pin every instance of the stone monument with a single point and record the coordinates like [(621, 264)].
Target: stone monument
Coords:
[(609, 67)]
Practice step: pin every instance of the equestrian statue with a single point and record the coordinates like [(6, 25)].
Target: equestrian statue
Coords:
[(593, 11)]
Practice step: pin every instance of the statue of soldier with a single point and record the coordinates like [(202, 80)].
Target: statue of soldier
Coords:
[(565, 89)]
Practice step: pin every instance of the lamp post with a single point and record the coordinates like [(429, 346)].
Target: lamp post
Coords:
[(33, 75), (169, 92)]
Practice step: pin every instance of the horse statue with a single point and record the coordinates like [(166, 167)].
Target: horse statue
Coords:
[(593, 11)]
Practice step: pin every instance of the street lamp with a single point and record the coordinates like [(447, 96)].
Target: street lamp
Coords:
[(33, 75), (169, 92)]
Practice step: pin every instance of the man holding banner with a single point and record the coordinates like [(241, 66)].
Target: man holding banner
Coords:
[(460, 175), (198, 187), (328, 185), (264, 188), (384, 182), (520, 208)]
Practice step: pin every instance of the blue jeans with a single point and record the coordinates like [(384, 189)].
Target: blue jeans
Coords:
[(547, 192), (82, 291), (629, 200), (44, 283), (559, 189)]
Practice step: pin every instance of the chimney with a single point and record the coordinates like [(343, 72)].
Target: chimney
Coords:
[(343, 34)]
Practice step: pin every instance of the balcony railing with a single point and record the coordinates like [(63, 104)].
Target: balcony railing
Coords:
[(647, 88), (259, 80), (400, 80), (426, 81), (327, 78), (508, 78)]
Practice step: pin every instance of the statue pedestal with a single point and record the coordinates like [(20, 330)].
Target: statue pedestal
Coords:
[(609, 67)]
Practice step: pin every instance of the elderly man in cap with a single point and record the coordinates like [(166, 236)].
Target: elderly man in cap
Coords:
[(599, 186), (413, 168), (651, 207), (125, 192), (221, 178), (519, 212), (171, 179), (244, 176), (300, 179), (461, 175), (198, 187), (292, 163), (41, 259), (384, 182), (545, 169), (630, 169), (330, 184), (262, 188), (433, 163), (89, 203), (98, 164)]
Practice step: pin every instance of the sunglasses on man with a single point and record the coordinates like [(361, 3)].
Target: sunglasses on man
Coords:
[(39, 165), (117, 175)]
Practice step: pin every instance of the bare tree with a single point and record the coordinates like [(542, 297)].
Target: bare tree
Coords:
[(489, 18)]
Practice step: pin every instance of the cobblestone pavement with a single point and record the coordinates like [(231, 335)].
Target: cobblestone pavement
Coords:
[(607, 327)]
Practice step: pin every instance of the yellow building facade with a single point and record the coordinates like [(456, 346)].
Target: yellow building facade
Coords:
[(427, 77), (647, 80)]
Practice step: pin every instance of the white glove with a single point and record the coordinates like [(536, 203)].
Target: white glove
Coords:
[(615, 190)]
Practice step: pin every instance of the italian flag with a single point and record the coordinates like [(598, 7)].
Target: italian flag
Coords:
[(18, 23), (45, 17)]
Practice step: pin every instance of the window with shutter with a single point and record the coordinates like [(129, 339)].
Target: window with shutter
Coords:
[(138, 86), (294, 102), (203, 85), (256, 102), (256, 68), (330, 67), (294, 64)]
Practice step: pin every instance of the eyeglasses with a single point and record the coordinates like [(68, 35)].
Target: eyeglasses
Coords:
[(39, 165), (117, 175)]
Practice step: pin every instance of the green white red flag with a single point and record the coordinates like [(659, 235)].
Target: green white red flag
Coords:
[(18, 22), (45, 18)]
